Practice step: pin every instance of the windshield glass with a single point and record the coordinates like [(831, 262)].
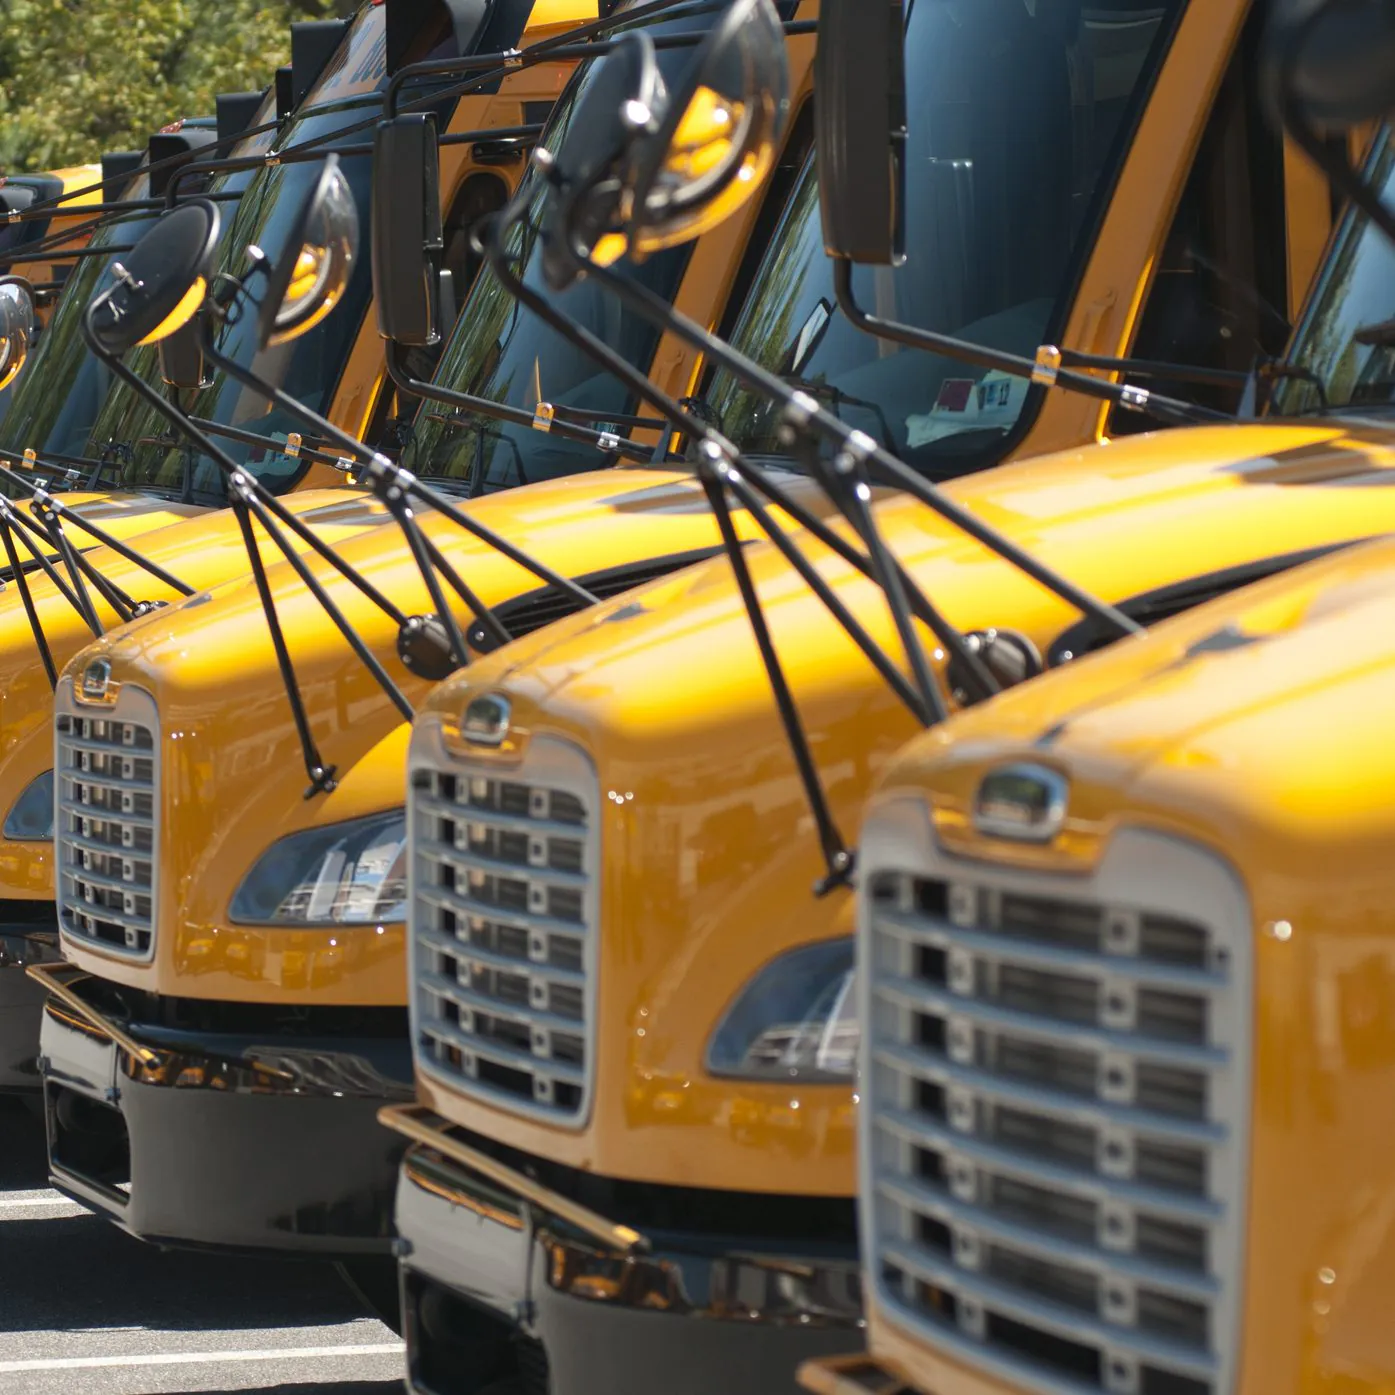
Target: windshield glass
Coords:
[(55, 398), (1354, 301), (309, 368), (501, 351), (1020, 113)]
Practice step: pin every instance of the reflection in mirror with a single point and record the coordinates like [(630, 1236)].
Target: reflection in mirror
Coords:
[(160, 283), (16, 327), (309, 280)]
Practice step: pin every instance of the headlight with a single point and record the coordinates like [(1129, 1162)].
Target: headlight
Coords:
[(343, 874), (795, 1020), (31, 818)]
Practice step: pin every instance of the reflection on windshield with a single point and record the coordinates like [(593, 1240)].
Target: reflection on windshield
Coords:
[(1019, 118), (55, 399), (1356, 293), (502, 352), (309, 369)]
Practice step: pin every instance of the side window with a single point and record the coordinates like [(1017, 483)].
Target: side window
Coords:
[(1219, 299)]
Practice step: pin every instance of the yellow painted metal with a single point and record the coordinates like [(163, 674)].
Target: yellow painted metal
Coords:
[(1274, 754)]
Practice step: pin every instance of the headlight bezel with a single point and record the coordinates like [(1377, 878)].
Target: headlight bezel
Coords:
[(809, 992), (299, 864), (36, 798)]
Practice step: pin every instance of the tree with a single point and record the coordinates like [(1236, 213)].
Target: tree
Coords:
[(78, 77)]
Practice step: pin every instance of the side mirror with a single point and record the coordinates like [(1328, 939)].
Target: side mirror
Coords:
[(161, 282), (643, 168), (407, 236), (1331, 63), (16, 326), (860, 129), (309, 279)]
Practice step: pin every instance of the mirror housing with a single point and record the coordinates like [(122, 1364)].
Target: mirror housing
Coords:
[(309, 279), (313, 44), (181, 357), (160, 284), (1334, 60), (236, 112), (860, 129), (407, 236), (16, 326)]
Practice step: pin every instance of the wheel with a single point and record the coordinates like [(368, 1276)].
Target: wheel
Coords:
[(373, 1281)]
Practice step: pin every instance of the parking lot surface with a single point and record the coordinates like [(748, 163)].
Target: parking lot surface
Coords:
[(84, 1308)]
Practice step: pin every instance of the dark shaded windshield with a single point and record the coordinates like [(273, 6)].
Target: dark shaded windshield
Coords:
[(1354, 300), (55, 399), (1020, 114), (309, 368), (501, 351)]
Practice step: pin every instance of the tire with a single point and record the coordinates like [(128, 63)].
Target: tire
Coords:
[(373, 1281)]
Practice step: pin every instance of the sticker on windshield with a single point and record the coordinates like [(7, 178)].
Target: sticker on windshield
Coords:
[(990, 404)]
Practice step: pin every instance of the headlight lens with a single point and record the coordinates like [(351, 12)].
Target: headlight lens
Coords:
[(795, 1020), (343, 874), (30, 820)]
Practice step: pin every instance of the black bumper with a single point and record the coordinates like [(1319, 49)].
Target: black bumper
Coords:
[(495, 1287), (28, 935), (264, 1145)]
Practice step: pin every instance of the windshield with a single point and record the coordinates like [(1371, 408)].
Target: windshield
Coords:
[(1020, 113), (309, 368), (502, 352), (1354, 300), (54, 400)]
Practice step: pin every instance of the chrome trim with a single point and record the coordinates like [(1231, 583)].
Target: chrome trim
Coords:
[(503, 977), (1001, 812), (1055, 1107), (106, 820)]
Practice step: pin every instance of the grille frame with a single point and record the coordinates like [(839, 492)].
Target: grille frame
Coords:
[(549, 763), (132, 706), (1142, 870)]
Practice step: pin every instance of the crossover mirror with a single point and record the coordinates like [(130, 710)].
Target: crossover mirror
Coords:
[(307, 282), (1331, 63), (160, 284), (16, 326), (407, 237), (645, 166), (860, 129)]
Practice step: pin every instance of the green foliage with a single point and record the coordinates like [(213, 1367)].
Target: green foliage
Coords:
[(78, 77)]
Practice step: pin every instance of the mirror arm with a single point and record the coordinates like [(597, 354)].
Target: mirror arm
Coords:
[(410, 386), (322, 777), (31, 612), (23, 254), (802, 411), (839, 859), (875, 655), (105, 539), (80, 567), (1149, 368), (159, 166), (1046, 370), (22, 528), (244, 487), (255, 438)]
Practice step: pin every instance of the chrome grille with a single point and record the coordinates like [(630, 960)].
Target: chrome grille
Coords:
[(504, 925), (106, 765), (1055, 1093)]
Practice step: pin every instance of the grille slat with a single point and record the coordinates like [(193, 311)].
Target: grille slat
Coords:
[(106, 796), (1050, 1086), (503, 926)]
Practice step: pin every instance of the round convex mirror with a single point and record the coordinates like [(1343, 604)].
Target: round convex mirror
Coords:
[(309, 279), (625, 89), (717, 138), (16, 327), (160, 283), (1333, 59)]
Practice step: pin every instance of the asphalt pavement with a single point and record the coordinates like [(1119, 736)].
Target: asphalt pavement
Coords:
[(86, 1310)]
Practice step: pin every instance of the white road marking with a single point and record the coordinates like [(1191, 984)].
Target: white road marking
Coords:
[(196, 1358), (54, 1200)]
